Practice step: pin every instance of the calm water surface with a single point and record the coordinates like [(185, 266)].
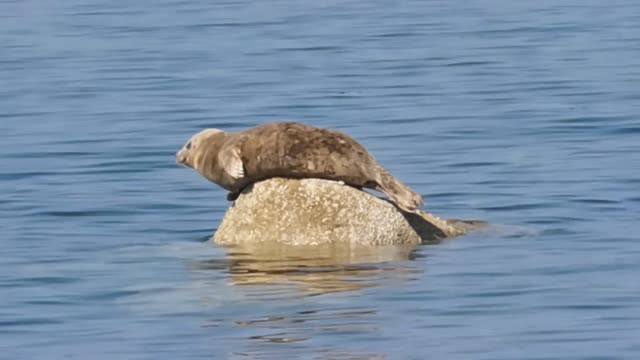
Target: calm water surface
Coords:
[(525, 114)]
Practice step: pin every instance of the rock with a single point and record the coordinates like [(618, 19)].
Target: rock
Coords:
[(315, 211)]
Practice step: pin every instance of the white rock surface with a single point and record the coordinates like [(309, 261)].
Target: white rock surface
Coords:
[(315, 212)]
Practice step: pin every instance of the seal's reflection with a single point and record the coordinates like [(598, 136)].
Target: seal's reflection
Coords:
[(318, 269)]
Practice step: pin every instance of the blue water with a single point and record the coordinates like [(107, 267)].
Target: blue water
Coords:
[(525, 114)]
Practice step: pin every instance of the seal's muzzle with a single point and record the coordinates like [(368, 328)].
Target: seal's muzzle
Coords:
[(181, 157)]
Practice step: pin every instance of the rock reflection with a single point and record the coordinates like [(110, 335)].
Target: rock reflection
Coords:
[(297, 327), (317, 269), (271, 273)]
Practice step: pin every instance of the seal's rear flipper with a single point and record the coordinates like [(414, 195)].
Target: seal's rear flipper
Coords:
[(406, 199)]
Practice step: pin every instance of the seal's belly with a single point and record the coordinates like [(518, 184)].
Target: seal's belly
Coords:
[(329, 169)]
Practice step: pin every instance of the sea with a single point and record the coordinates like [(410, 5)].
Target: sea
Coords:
[(523, 114)]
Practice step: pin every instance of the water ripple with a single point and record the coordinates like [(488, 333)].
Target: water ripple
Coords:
[(524, 114)]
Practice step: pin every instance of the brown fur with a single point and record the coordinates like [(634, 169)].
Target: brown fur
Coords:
[(288, 149)]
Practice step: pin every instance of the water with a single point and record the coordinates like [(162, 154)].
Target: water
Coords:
[(523, 114)]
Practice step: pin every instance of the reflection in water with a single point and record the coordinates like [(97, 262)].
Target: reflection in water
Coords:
[(317, 269), (307, 334), (292, 271)]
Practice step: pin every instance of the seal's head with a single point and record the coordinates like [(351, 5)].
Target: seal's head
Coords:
[(194, 151)]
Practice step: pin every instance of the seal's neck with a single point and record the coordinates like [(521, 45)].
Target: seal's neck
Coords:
[(206, 158)]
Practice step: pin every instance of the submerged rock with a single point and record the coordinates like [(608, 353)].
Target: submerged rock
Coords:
[(315, 211)]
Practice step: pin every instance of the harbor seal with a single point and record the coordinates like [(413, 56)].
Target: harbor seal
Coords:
[(293, 150)]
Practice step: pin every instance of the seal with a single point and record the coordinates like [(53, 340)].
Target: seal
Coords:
[(289, 150)]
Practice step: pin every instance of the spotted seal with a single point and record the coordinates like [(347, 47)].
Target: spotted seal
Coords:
[(293, 150)]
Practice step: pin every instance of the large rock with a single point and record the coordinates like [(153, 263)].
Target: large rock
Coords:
[(315, 211)]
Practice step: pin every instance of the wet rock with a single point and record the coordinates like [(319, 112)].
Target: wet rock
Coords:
[(315, 211)]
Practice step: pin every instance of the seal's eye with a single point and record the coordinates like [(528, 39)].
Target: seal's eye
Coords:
[(188, 146)]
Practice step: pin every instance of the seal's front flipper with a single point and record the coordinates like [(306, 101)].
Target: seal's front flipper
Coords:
[(233, 195), (231, 162)]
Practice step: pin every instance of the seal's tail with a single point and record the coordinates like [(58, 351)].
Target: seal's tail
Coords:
[(406, 199)]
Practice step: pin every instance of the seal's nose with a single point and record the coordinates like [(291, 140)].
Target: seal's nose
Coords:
[(181, 157)]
